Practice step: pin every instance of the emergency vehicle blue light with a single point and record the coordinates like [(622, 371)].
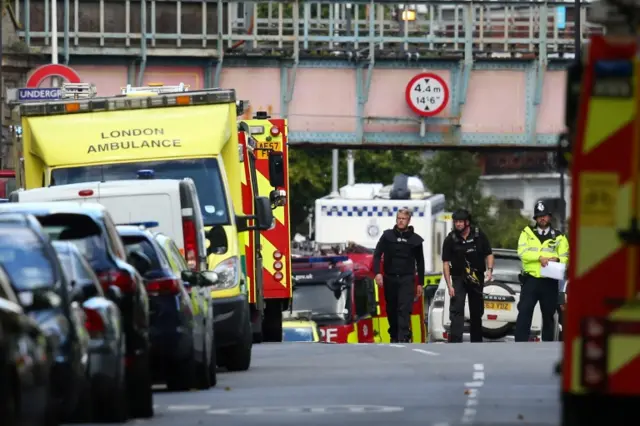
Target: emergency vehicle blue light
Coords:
[(146, 225), (320, 259), (146, 174), (615, 68)]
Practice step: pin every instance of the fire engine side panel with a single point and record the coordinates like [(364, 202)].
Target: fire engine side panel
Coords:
[(338, 221), (277, 239), (248, 209), (602, 268)]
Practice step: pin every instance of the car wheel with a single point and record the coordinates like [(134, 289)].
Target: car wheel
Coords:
[(238, 356), (83, 412), (183, 374), (203, 375), (272, 323), (9, 402), (109, 395), (140, 392)]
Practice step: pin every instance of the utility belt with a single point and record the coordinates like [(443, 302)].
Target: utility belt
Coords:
[(523, 276)]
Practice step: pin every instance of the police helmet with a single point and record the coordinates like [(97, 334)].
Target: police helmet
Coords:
[(461, 214), (541, 210)]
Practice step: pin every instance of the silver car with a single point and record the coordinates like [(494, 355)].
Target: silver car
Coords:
[(103, 323)]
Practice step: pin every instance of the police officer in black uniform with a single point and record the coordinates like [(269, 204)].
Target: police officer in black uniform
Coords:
[(403, 257), (466, 257)]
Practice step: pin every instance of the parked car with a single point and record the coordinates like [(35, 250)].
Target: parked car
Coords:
[(182, 344), (24, 363), (501, 297), (200, 293), (106, 336), (90, 228), (42, 288)]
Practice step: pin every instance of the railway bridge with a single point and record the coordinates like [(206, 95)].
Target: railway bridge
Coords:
[(337, 70)]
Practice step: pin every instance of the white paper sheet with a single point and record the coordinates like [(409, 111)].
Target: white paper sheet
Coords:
[(555, 270)]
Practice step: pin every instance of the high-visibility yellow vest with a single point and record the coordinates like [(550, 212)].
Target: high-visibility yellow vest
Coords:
[(530, 249)]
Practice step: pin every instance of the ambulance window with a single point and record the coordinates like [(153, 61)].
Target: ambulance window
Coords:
[(204, 172)]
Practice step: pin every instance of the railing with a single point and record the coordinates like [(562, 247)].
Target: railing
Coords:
[(292, 28)]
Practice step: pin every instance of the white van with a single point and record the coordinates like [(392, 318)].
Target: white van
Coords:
[(170, 206)]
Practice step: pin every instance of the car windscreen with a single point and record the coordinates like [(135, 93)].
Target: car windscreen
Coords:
[(205, 173), (80, 230), (23, 257), (297, 334), (319, 299), (142, 245), (506, 269)]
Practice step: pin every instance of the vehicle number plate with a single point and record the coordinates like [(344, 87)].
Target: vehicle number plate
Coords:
[(263, 146), (498, 306)]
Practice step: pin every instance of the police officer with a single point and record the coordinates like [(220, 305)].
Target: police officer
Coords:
[(466, 257), (537, 246), (403, 256)]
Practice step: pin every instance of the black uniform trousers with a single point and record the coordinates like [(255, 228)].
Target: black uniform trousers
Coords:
[(464, 289), (534, 290), (399, 292)]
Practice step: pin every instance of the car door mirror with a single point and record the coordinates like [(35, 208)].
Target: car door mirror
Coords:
[(113, 293), (140, 261), (264, 215), (208, 278), (189, 277), (276, 169)]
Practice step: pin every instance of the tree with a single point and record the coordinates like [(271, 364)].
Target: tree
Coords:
[(505, 227), (310, 175), (457, 176)]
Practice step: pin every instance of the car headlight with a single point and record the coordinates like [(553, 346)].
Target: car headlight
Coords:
[(228, 273)]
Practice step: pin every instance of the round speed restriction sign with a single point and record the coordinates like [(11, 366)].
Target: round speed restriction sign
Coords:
[(427, 94)]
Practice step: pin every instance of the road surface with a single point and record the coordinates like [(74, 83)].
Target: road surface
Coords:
[(428, 385)]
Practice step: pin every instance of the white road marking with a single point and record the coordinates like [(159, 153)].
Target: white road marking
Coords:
[(441, 424), (422, 351), (332, 409), (188, 407), (469, 413), (396, 346)]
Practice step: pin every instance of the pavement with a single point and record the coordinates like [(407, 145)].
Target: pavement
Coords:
[(308, 384)]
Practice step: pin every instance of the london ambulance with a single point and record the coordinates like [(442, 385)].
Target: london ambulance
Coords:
[(174, 133)]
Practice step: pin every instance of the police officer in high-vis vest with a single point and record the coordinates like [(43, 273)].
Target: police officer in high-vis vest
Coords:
[(537, 246)]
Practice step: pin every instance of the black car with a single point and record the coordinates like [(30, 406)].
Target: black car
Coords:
[(90, 228), (106, 368), (36, 276), (181, 337), (24, 363)]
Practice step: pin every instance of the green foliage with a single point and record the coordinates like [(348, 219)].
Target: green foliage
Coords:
[(310, 175), (457, 176), (505, 226)]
